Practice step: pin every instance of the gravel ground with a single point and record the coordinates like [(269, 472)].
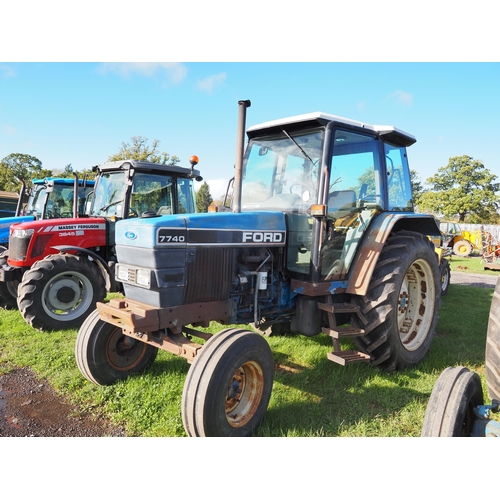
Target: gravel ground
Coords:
[(30, 407)]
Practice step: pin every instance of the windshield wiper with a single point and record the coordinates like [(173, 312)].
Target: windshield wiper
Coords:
[(103, 209), (299, 146)]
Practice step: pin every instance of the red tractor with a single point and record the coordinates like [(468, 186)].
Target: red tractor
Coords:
[(58, 269)]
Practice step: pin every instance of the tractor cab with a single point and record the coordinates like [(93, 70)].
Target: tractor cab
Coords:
[(330, 176)]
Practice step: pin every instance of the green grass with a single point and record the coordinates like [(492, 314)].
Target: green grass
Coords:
[(470, 265), (311, 395)]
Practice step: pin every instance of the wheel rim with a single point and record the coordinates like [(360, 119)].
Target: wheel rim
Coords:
[(123, 352), (244, 394), (416, 305), (445, 278), (67, 296)]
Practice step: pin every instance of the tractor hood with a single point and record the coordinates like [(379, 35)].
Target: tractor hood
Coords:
[(204, 229)]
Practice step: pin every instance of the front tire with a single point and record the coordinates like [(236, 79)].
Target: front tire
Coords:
[(450, 411), (444, 268), (493, 347), (402, 303), (8, 289), (104, 355), (228, 386), (60, 291)]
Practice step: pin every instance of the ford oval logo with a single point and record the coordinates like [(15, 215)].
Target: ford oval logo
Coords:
[(130, 235)]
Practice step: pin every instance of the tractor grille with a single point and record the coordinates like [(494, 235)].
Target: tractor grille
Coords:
[(209, 275), (18, 248)]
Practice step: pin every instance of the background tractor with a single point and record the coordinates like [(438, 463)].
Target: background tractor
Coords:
[(455, 239), (56, 270), (50, 198), (456, 406), (322, 238)]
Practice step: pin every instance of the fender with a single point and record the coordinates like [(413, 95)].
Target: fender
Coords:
[(103, 265), (375, 238)]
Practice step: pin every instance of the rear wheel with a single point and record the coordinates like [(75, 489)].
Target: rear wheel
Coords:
[(8, 289), (228, 387), (104, 355), (462, 248), (402, 303), (60, 291), (445, 270), (493, 347), (450, 411)]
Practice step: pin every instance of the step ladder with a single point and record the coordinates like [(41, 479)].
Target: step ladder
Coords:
[(345, 331)]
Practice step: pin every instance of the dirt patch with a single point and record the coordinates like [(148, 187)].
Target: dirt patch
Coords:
[(30, 407)]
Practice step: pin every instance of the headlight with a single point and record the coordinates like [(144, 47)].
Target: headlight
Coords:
[(23, 233), (133, 275)]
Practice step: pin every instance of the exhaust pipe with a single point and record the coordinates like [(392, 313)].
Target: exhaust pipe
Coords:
[(240, 145), (75, 195)]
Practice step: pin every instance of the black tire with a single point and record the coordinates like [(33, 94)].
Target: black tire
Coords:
[(60, 291), (450, 411), (493, 347), (445, 270), (462, 248), (104, 355), (232, 359), (402, 303), (8, 289)]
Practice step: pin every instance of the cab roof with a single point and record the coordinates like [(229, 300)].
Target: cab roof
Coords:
[(391, 133), (146, 165)]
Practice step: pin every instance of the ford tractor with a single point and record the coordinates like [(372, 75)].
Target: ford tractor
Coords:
[(322, 239), (57, 269)]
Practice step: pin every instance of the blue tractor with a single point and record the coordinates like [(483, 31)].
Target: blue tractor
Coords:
[(321, 238), (49, 198)]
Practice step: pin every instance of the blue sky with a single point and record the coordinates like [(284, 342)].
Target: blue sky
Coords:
[(81, 112)]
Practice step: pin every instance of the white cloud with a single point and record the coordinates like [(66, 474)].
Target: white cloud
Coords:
[(7, 71), (210, 82), (174, 72), (217, 187), (401, 97), (8, 129)]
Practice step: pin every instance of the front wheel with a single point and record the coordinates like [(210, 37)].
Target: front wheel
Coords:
[(450, 411), (444, 268), (104, 355), (402, 303), (60, 291), (228, 386)]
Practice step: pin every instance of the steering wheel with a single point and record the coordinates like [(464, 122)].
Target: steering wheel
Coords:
[(133, 212), (297, 184)]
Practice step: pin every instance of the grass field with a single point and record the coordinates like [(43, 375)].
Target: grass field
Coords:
[(311, 395)]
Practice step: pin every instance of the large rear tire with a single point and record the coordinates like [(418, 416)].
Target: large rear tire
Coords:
[(8, 289), (493, 347), (104, 355), (228, 386), (60, 291), (450, 411), (402, 303)]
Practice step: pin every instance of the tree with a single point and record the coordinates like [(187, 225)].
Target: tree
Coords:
[(203, 198), (139, 150), (20, 166), (416, 186), (465, 190)]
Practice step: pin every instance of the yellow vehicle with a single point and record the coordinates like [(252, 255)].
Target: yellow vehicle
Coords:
[(455, 239)]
